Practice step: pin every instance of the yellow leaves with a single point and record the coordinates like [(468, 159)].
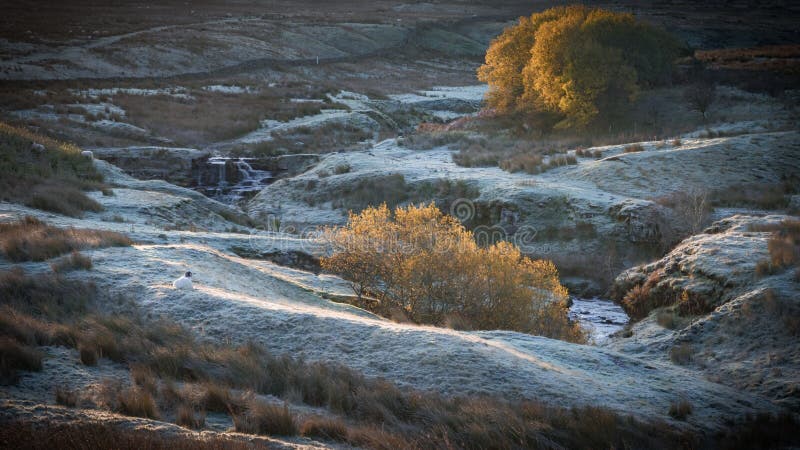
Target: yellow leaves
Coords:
[(426, 264), (576, 61)]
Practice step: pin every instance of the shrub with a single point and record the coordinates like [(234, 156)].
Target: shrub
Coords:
[(578, 62), (325, 428), (427, 265), (267, 419), (680, 409), (341, 169), (14, 357), (636, 301), (692, 207), (634, 148), (677, 143), (75, 261), (32, 240)]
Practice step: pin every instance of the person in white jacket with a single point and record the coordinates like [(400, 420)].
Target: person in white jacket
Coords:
[(184, 282)]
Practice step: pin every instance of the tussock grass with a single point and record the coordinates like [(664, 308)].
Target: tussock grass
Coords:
[(324, 428), (762, 430), (44, 295), (783, 246), (137, 402), (15, 357), (379, 414), (217, 398), (66, 397), (266, 418), (52, 180), (187, 417), (682, 354), (633, 148), (754, 195), (32, 240), (680, 409), (74, 261), (87, 434)]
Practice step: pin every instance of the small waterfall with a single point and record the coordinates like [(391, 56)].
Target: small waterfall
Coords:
[(232, 179)]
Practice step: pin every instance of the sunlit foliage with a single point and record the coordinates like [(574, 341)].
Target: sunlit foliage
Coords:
[(576, 61), (424, 265)]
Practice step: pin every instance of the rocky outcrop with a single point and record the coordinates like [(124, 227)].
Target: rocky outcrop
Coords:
[(704, 305)]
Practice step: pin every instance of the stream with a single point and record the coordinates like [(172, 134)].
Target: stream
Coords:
[(602, 317)]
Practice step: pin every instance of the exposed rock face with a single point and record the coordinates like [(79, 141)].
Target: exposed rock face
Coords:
[(715, 313), (154, 163)]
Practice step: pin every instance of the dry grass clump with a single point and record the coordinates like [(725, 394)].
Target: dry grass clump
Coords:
[(680, 409), (379, 414), (62, 199), (52, 180), (783, 246), (325, 428), (137, 402), (88, 355), (210, 116), (668, 319), (341, 169), (218, 398), (186, 416), (44, 295), (768, 196), (266, 418), (681, 354), (86, 434), (74, 261), (763, 430), (14, 357), (66, 397), (633, 148), (33, 240), (635, 301)]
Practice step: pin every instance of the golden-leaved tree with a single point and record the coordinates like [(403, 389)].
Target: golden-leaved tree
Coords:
[(577, 61), (427, 266)]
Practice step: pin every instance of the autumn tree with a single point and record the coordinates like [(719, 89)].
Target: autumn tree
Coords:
[(576, 61), (424, 264)]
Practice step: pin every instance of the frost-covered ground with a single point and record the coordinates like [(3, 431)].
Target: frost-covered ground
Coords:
[(238, 299)]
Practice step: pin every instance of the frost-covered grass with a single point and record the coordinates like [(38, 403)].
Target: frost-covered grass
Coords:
[(32, 240), (161, 353), (51, 177)]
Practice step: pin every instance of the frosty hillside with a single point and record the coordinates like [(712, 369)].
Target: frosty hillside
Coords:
[(463, 225)]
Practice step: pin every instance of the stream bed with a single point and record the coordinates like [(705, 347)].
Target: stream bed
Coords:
[(602, 317)]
